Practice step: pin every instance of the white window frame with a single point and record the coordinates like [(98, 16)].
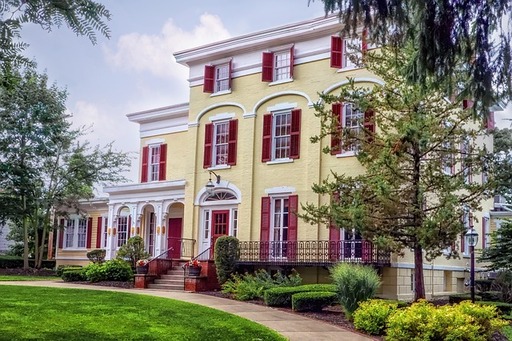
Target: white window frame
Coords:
[(224, 144), (278, 250), (75, 233), (281, 65), (357, 127), (467, 225), (487, 230), (286, 137), (122, 220), (104, 232), (221, 78), (447, 160), (350, 49), (206, 222), (154, 162)]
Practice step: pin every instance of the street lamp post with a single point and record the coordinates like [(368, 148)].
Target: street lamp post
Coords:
[(472, 240)]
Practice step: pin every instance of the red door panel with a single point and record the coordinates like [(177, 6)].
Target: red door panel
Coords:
[(220, 226), (174, 237)]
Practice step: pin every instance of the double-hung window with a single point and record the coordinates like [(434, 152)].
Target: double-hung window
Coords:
[(220, 143), (465, 156), (345, 53), (281, 135), (277, 66), (217, 78), (76, 233), (467, 221), (350, 124), (154, 158), (122, 230)]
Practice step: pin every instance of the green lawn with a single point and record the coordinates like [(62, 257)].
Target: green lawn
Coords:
[(71, 314), (28, 278)]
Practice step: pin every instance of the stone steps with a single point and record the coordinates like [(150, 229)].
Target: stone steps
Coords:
[(174, 280)]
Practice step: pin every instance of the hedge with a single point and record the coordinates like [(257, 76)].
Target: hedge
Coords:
[(503, 307), (73, 275), (313, 300), (282, 296), (457, 298), (11, 262)]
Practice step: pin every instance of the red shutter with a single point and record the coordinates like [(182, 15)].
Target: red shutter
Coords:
[(295, 134), (267, 138), (369, 124), (233, 135), (209, 78), (265, 228), (462, 242), (163, 160), (293, 207), (230, 66), (208, 138), (144, 169), (291, 61), (364, 42), (489, 121), (89, 233), (336, 52), (61, 234), (337, 117), (129, 229), (99, 232), (467, 104), (267, 67)]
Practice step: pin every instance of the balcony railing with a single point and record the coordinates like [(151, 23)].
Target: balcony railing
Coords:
[(312, 253)]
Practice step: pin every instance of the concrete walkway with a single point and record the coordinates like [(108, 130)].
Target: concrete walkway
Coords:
[(293, 326)]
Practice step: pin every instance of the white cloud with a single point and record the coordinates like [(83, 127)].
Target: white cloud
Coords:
[(153, 53)]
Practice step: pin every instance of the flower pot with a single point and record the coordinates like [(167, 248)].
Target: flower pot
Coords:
[(194, 270), (142, 270)]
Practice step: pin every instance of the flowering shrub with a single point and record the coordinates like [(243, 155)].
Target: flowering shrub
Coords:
[(142, 262), (194, 263)]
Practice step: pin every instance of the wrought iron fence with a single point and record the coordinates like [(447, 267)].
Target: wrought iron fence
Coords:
[(180, 248), (317, 252)]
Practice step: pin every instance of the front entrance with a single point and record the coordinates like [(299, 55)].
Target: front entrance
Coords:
[(353, 245), (220, 226), (174, 238)]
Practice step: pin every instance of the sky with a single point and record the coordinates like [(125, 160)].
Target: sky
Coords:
[(135, 69)]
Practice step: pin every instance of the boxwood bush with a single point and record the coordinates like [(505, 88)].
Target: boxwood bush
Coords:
[(313, 300), (226, 256), (73, 275), (457, 298), (282, 297), (112, 270), (62, 268)]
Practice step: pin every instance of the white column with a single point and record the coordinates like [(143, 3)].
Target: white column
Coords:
[(161, 229), (111, 232)]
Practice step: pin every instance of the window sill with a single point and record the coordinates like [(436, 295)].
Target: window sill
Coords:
[(349, 68), (346, 154), (282, 81), (220, 93), (218, 167), (279, 161), (73, 249)]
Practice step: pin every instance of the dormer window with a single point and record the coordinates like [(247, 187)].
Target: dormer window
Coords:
[(217, 78), (154, 159), (345, 52), (277, 65)]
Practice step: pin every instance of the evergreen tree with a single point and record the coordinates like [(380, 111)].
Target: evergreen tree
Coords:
[(499, 254), (503, 151), (416, 186)]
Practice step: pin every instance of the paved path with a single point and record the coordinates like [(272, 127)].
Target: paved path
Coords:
[(293, 326)]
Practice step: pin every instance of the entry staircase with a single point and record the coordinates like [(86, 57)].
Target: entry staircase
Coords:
[(173, 280)]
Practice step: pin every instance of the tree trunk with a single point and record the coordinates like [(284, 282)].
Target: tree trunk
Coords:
[(35, 226), (25, 235), (419, 280), (39, 263)]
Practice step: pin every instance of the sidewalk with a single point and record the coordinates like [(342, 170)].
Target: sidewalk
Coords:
[(292, 326)]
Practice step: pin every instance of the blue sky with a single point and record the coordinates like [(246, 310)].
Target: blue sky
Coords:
[(135, 70)]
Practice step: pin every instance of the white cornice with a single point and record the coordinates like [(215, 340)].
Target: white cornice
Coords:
[(145, 187), (158, 114), (279, 36)]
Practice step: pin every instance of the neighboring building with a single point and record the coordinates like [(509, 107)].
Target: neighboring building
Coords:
[(4, 243), (237, 160)]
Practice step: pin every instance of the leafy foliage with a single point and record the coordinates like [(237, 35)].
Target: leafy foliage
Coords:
[(423, 321), (73, 275), (132, 251), (372, 315), (498, 253), (503, 284), (503, 151), (445, 34), (253, 286), (354, 284), (112, 270), (226, 256), (416, 185), (282, 296), (313, 300), (97, 256)]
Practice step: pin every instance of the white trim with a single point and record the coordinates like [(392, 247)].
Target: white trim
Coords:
[(154, 141), (281, 190), (279, 94), (220, 93), (346, 154), (249, 115), (335, 86), (282, 106), (281, 81), (223, 185), (214, 106), (218, 167), (220, 61), (162, 131), (157, 114), (221, 117), (280, 161)]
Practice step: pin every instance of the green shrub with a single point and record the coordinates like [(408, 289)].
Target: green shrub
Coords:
[(73, 275), (97, 256), (14, 262), (313, 300), (503, 307), (252, 286), (354, 284), (226, 256), (372, 315), (457, 298), (400, 304), (282, 296), (503, 283), (112, 270), (490, 295), (62, 268), (132, 251), (423, 321)]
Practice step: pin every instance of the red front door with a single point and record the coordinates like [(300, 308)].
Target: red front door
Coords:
[(220, 226), (174, 238)]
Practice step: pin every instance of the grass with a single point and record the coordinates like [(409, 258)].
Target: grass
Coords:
[(507, 331), (72, 314), (4, 278)]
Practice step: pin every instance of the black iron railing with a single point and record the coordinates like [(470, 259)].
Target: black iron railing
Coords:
[(181, 248), (310, 253)]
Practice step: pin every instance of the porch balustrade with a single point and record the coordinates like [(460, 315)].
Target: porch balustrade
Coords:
[(180, 248), (312, 253)]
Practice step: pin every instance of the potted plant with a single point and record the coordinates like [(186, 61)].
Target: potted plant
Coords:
[(194, 267), (142, 266)]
